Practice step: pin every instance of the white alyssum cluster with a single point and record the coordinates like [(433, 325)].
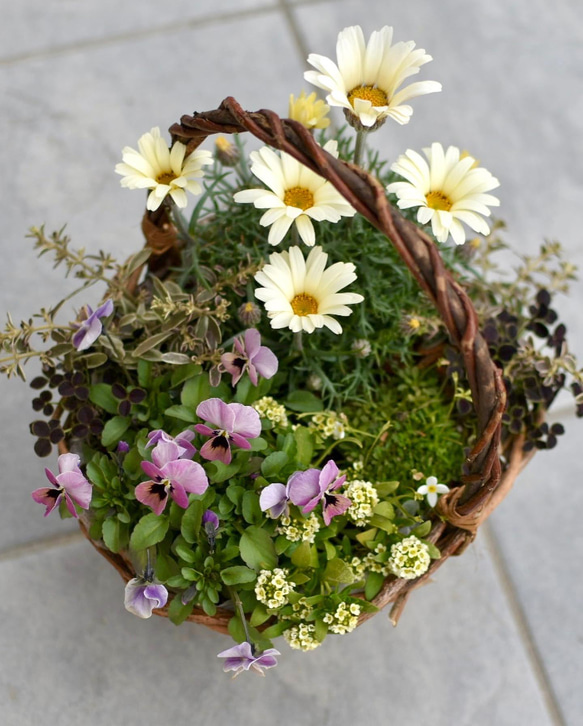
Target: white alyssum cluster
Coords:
[(364, 499), (299, 529), (369, 563), (330, 424), (267, 407), (302, 637), (409, 558), (344, 619), (273, 588)]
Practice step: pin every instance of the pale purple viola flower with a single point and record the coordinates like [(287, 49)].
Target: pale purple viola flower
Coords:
[(69, 484), (170, 476), (249, 355), (241, 658), (308, 488), (275, 499), (232, 423), (90, 329), (142, 596), (183, 440)]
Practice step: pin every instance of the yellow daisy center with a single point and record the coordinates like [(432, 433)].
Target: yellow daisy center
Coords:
[(165, 177), (438, 200), (299, 197), (375, 95), (414, 324), (304, 304)]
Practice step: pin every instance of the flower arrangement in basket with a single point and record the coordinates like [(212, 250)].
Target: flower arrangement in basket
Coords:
[(297, 401)]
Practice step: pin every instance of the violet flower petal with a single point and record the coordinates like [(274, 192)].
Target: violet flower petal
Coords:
[(51, 498), (77, 487), (217, 412), (211, 519), (246, 421), (235, 365), (334, 505), (164, 452), (68, 462), (142, 597), (266, 362), (188, 474), (88, 333), (217, 449), (329, 473), (252, 338), (303, 486), (240, 441), (274, 499), (153, 495)]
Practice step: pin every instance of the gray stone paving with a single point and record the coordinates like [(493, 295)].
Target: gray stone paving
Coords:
[(497, 639)]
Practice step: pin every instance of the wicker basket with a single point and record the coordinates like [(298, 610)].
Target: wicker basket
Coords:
[(489, 470)]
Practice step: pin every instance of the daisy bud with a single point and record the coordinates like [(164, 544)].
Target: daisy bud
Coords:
[(226, 152), (249, 314)]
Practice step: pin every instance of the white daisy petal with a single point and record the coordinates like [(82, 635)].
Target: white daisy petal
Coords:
[(307, 287), (448, 190), (367, 75)]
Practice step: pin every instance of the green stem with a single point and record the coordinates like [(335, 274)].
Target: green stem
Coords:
[(359, 147), (239, 606), (298, 343)]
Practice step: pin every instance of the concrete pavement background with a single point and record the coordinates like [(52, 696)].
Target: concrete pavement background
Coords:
[(497, 639)]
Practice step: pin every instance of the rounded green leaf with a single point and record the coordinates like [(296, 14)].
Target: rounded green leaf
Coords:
[(257, 549)]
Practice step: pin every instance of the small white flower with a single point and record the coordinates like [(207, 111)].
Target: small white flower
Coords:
[(298, 195), (163, 170), (432, 489), (301, 295), (409, 558), (448, 190), (367, 77)]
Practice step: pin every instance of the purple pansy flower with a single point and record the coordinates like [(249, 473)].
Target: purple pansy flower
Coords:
[(69, 483), (249, 355), (232, 423), (171, 476), (182, 439), (240, 658), (275, 498), (90, 329), (142, 596), (307, 488)]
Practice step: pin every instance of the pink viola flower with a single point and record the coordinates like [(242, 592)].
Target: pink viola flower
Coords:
[(142, 596), (249, 355), (69, 484), (183, 441), (232, 423), (171, 476), (308, 488), (90, 329), (241, 658)]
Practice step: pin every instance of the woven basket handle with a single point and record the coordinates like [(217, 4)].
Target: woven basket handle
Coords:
[(463, 508)]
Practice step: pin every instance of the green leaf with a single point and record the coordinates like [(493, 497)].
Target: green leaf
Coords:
[(373, 584), (195, 390), (115, 534), (177, 612), (182, 413), (305, 445), (93, 360), (422, 530), (330, 550), (191, 521), (95, 475), (166, 567), (385, 509), (237, 575), (151, 342), (236, 629), (259, 615), (150, 530), (366, 536), (321, 630), (337, 572), (304, 402), (384, 488), (114, 429), (433, 551), (276, 630), (179, 375), (219, 472), (100, 394), (137, 260), (257, 549), (383, 523), (274, 463), (251, 510), (305, 555), (258, 444)]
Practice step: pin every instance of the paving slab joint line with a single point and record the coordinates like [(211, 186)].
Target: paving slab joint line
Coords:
[(91, 43), (47, 543), (524, 630)]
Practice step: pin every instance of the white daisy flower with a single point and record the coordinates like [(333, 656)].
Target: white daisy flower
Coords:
[(301, 295), (432, 489), (448, 190), (367, 77), (163, 170), (297, 195)]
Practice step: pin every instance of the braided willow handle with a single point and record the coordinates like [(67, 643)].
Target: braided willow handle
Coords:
[(421, 256)]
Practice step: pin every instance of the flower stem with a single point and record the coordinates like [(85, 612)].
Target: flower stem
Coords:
[(239, 605), (298, 343), (359, 147)]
